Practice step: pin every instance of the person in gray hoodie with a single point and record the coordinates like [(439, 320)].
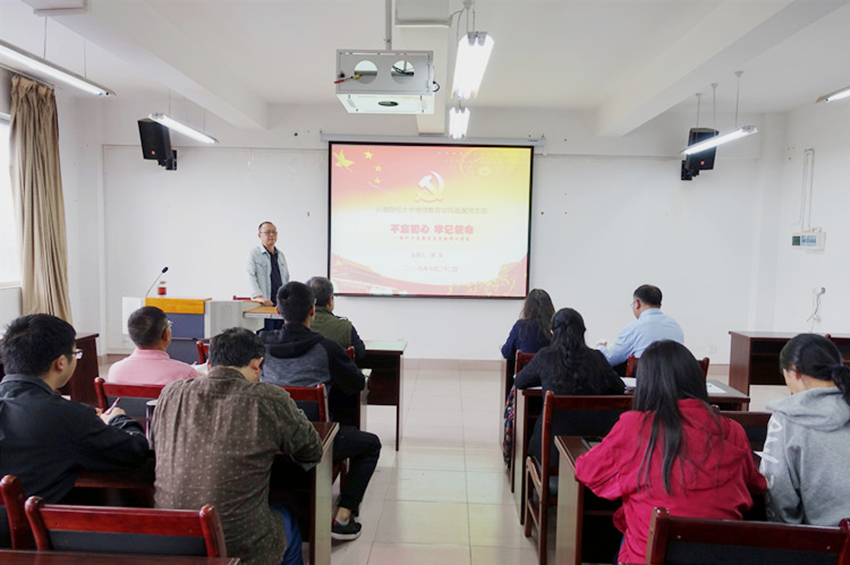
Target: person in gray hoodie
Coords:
[(807, 450)]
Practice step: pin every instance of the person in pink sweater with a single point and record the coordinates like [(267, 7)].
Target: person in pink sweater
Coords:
[(671, 450), (149, 364)]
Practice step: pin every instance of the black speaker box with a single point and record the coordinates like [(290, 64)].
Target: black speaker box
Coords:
[(156, 141), (704, 160)]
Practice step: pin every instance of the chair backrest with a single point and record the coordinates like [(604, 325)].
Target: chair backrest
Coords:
[(313, 400), (522, 359), (592, 416), (134, 398), (203, 350), (754, 423), (110, 529), (350, 352), (632, 365), (684, 541), (12, 494)]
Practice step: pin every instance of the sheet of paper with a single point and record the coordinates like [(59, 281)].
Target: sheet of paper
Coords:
[(630, 382), (714, 389)]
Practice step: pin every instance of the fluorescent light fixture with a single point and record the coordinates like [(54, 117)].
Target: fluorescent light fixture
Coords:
[(473, 53), (719, 140), (40, 66), (458, 122), (174, 125), (837, 95)]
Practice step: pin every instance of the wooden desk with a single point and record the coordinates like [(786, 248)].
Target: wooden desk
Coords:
[(576, 504), (386, 383), (529, 405), (309, 494), (754, 357), (13, 557), (81, 385)]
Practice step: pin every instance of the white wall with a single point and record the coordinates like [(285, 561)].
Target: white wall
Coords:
[(826, 129), (609, 214)]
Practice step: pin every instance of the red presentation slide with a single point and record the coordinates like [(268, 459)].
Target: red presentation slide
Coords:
[(429, 220)]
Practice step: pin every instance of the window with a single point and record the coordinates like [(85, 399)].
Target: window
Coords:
[(10, 254)]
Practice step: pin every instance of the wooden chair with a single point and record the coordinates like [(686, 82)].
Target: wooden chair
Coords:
[(563, 415), (134, 398), (12, 494), (203, 350), (522, 359), (313, 400), (754, 424), (111, 529), (632, 365), (241, 297), (684, 541)]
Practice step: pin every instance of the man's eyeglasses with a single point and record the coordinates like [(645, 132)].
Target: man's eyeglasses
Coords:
[(269, 232), (78, 354)]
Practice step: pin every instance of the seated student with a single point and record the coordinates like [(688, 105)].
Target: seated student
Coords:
[(808, 440), (651, 325), (297, 356), (672, 451), (567, 366), (330, 325), (530, 333), (216, 438), (149, 364), (46, 440)]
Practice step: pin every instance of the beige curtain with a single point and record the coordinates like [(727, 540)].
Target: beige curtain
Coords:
[(39, 205)]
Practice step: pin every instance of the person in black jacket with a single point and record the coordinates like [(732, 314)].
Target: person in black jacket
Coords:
[(46, 440), (298, 356), (568, 366)]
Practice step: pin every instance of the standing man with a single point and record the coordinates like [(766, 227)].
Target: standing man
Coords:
[(651, 326), (266, 270), (334, 327), (149, 364), (216, 438), (46, 440)]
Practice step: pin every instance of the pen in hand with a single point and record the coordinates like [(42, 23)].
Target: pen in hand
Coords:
[(114, 404)]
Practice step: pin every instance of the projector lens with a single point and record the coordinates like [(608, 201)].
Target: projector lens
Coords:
[(388, 103)]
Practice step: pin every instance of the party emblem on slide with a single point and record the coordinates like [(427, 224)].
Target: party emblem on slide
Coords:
[(427, 191)]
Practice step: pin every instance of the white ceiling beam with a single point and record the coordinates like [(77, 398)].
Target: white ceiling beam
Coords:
[(728, 37), (135, 32)]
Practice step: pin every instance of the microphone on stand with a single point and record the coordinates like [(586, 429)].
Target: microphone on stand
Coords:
[(164, 270)]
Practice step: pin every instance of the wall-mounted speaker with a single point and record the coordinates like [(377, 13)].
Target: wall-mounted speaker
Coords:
[(704, 160), (156, 144)]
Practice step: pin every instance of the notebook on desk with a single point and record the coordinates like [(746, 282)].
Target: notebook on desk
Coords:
[(711, 388)]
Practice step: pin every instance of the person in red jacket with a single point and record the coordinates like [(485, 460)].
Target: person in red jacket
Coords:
[(671, 451)]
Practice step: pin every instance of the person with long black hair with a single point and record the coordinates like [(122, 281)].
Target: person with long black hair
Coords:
[(568, 366), (807, 450), (530, 333), (671, 450)]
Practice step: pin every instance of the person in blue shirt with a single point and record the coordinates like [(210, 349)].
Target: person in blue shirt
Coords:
[(651, 326), (532, 332)]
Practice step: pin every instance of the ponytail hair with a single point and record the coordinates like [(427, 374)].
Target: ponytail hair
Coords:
[(568, 344), (815, 356)]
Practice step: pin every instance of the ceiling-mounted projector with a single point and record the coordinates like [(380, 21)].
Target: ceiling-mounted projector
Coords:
[(385, 82)]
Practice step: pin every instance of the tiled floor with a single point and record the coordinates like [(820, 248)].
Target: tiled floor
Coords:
[(444, 497)]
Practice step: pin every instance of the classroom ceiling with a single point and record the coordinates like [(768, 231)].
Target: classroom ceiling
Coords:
[(623, 61)]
